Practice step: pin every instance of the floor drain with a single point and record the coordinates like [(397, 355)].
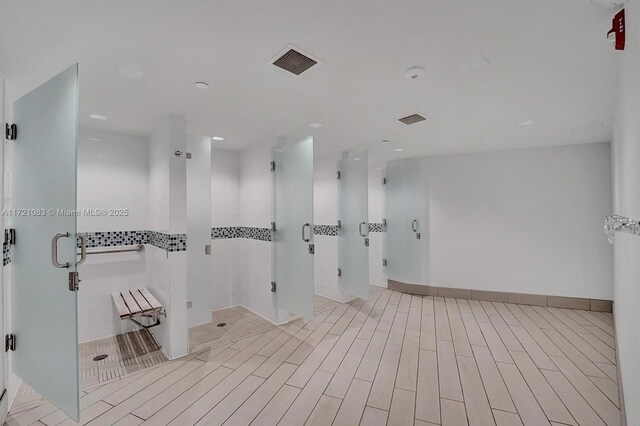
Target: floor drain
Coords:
[(222, 324), (100, 357)]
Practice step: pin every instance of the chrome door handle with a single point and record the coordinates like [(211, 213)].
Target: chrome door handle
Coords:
[(83, 249), (362, 234), (54, 251), (414, 225), (306, 240)]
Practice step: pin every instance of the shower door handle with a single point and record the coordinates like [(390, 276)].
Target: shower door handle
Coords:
[(362, 234), (83, 249), (306, 240), (54, 251)]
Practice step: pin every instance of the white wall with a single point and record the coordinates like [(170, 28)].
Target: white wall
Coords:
[(225, 212), (167, 209), (521, 221), (626, 172), (112, 174)]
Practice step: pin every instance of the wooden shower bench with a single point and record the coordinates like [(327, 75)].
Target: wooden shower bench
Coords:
[(138, 303)]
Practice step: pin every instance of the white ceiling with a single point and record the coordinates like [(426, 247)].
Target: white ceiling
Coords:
[(549, 62)]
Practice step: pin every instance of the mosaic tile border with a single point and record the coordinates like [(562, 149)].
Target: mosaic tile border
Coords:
[(328, 230), (178, 242), (6, 254)]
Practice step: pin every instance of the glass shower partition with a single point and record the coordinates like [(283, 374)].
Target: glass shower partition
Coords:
[(292, 228), (403, 220), (44, 261), (353, 220)]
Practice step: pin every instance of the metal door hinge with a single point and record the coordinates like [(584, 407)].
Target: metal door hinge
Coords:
[(312, 249), (273, 226), (10, 236), (10, 131), (188, 156), (384, 262), (273, 166), (273, 287), (384, 180), (339, 225), (339, 272), (74, 281), (338, 174), (384, 223), (10, 342)]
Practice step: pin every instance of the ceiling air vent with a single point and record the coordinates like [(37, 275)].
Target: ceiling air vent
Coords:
[(294, 62), (412, 119)]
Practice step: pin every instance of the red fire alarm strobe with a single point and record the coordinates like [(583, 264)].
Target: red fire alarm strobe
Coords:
[(616, 33)]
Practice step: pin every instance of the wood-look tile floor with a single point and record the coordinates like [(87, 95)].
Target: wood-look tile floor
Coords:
[(395, 359)]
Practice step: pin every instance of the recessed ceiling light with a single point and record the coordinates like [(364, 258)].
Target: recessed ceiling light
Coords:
[(414, 73), (201, 85), (398, 150), (217, 138), (315, 125), (384, 141), (526, 123), (97, 117)]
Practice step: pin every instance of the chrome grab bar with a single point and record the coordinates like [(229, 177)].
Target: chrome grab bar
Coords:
[(83, 249), (306, 240), (414, 225), (54, 250), (138, 249), (364, 235)]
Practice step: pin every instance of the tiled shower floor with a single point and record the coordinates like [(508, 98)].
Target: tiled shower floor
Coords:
[(126, 353), (393, 359), (239, 323)]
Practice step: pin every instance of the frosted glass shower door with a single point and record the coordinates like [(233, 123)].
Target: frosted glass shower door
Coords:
[(353, 216), (44, 263), (403, 221), (199, 267), (292, 240)]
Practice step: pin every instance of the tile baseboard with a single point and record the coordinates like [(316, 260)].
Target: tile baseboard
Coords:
[(499, 296)]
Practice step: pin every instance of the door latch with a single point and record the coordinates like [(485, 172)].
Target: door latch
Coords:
[(312, 249), (418, 235), (74, 281), (10, 236), (273, 286), (366, 242), (10, 131), (10, 342)]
